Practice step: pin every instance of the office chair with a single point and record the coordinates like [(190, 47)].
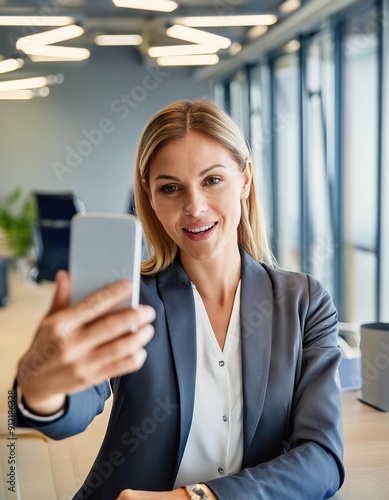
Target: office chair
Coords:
[(51, 233)]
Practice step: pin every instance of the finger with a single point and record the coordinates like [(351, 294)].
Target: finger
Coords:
[(95, 305), (113, 326), (62, 292), (127, 365), (125, 346)]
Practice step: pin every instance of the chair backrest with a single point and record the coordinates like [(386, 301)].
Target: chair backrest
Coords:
[(52, 232), (57, 206)]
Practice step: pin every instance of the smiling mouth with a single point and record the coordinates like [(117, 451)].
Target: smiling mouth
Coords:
[(199, 230)]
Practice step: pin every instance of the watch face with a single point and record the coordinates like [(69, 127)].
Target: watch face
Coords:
[(199, 491)]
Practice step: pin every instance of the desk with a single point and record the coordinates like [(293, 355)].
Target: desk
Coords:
[(366, 435)]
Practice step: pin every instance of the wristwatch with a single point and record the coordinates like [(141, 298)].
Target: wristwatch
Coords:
[(197, 492)]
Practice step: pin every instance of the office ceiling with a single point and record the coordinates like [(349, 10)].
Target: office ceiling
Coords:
[(102, 16)]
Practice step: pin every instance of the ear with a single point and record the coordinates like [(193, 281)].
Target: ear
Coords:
[(247, 175), (146, 187)]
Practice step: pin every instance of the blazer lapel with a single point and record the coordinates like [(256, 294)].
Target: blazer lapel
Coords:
[(177, 296), (256, 330)]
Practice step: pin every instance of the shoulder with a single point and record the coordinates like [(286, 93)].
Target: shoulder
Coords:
[(286, 288)]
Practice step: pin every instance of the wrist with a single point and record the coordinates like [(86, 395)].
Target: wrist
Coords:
[(43, 407)]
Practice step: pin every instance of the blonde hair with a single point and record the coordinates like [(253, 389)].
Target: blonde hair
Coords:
[(170, 124)]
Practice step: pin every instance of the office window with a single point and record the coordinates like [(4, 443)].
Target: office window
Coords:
[(360, 166), (261, 135), (219, 95), (239, 101), (319, 163), (285, 127)]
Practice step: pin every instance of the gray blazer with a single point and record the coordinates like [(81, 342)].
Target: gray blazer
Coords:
[(292, 406)]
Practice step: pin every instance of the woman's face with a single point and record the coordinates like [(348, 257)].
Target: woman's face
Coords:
[(195, 189)]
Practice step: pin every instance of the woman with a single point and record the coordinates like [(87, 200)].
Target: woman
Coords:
[(238, 397)]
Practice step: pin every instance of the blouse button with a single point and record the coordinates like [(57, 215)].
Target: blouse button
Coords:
[(221, 363), (225, 419), (220, 470)]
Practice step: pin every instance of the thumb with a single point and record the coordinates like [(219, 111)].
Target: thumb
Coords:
[(62, 292)]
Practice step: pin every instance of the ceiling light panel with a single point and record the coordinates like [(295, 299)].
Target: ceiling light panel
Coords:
[(289, 6), (117, 40), (223, 21), (157, 5), (197, 36)]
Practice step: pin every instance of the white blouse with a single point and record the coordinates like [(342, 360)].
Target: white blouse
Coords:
[(215, 443)]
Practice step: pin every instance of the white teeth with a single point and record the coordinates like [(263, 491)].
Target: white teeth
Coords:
[(199, 229)]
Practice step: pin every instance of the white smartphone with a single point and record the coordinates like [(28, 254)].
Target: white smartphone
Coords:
[(103, 249)]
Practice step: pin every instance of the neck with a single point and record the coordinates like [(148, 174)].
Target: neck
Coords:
[(215, 279)]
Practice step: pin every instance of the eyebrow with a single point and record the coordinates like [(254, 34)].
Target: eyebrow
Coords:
[(203, 172)]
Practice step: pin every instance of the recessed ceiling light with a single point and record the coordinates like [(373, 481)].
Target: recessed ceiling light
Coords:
[(196, 60), (198, 36), (181, 50), (116, 40), (157, 5), (220, 21), (289, 6), (256, 31), (235, 49), (292, 46)]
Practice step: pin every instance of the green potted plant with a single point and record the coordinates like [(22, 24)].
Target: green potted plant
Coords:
[(16, 219)]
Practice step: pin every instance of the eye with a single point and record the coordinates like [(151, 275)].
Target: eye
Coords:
[(213, 180), (170, 188)]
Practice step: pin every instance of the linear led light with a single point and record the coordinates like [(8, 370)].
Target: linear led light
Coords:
[(196, 60), (289, 6), (10, 65), (43, 59), (115, 40), (181, 50), (157, 5), (220, 21), (23, 84), (256, 32), (35, 20), (197, 36), (63, 53), (17, 94), (48, 37), (292, 46), (235, 48)]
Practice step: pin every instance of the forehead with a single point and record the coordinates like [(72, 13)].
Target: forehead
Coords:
[(195, 149)]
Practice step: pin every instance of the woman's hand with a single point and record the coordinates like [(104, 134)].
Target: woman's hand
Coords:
[(179, 494), (80, 346)]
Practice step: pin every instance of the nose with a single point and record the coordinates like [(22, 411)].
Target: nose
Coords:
[(194, 203)]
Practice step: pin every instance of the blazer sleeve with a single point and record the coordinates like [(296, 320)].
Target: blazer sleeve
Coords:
[(311, 465), (81, 408)]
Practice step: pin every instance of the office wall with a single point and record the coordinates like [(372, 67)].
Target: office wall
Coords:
[(84, 136)]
